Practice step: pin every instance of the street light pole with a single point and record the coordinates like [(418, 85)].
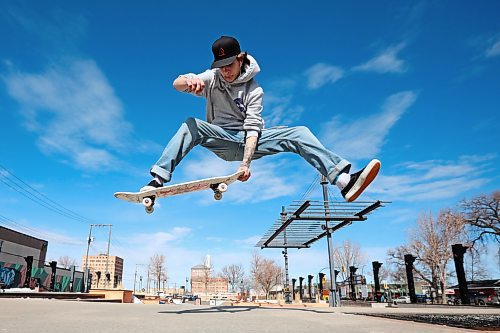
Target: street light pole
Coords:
[(332, 299), (285, 254)]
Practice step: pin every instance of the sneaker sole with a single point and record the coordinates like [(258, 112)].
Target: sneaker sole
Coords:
[(365, 179)]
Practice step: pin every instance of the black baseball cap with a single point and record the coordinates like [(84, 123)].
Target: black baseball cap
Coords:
[(225, 50)]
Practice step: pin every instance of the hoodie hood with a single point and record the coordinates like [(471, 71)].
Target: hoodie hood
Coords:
[(251, 70), (237, 105)]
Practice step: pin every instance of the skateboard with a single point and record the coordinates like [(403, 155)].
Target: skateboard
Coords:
[(218, 185)]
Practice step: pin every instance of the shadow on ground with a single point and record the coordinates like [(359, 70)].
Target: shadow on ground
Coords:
[(236, 309)]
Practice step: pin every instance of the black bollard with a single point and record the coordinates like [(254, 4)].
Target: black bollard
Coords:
[(458, 256), (376, 267), (29, 267), (409, 260)]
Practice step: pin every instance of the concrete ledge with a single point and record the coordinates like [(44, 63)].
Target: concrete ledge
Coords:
[(379, 305), (123, 295)]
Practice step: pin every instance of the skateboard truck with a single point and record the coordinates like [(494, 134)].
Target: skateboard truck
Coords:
[(218, 190), (148, 203)]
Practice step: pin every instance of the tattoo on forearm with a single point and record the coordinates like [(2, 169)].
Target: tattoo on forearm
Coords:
[(250, 146)]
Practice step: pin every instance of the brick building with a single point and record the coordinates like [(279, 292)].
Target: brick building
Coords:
[(202, 282), (99, 265)]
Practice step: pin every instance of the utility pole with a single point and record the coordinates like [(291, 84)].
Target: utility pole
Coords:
[(107, 256), (89, 240), (135, 277), (332, 299)]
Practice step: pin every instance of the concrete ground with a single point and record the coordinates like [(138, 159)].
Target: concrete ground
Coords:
[(44, 315)]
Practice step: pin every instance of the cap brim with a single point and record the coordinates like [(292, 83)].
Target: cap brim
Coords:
[(223, 62)]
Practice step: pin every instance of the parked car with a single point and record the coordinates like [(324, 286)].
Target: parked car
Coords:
[(189, 298), (403, 299)]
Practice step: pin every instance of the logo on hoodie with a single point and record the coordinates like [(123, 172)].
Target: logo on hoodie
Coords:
[(239, 104)]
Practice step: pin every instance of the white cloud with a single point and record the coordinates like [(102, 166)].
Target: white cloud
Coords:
[(434, 180), (385, 62), (215, 239), (364, 138), (249, 241), (282, 114), (268, 181), (278, 107), (159, 239), (57, 30), (75, 113), (493, 50), (320, 74), (54, 237)]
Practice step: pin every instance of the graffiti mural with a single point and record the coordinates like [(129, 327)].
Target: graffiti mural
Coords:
[(7, 277), (14, 275)]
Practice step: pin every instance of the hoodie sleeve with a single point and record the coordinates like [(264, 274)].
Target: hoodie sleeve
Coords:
[(207, 77), (254, 123)]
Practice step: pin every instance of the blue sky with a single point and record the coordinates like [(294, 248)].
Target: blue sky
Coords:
[(87, 105)]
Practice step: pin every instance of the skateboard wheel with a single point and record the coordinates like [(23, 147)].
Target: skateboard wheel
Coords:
[(149, 209), (222, 187), (217, 195), (148, 202)]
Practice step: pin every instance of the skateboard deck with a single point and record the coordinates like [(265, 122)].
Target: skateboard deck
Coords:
[(217, 184)]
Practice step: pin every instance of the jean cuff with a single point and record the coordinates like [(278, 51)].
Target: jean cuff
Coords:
[(158, 171), (342, 166)]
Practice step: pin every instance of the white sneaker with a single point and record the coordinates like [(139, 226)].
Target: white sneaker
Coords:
[(360, 180)]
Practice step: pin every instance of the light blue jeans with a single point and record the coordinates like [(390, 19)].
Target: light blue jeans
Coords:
[(229, 145)]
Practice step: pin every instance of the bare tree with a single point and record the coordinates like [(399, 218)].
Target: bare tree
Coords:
[(234, 275), (397, 274), (66, 262), (482, 215), (474, 267), (265, 272), (430, 242), (348, 254), (158, 269)]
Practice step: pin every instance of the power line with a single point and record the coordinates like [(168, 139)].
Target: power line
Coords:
[(17, 184), (13, 224), (311, 187)]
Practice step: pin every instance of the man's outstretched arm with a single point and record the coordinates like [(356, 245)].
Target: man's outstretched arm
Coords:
[(250, 145), (189, 84)]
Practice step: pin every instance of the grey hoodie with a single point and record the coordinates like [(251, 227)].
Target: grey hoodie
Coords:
[(236, 105)]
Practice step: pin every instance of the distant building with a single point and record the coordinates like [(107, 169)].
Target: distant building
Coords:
[(107, 272), (22, 264), (15, 246), (202, 282), (483, 292)]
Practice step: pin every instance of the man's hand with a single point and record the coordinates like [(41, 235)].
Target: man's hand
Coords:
[(244, 177), (186, 84), (195, 85), (250, 144)]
